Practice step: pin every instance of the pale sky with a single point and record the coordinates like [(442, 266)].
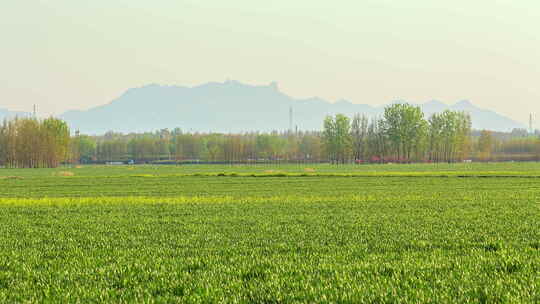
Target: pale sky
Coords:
[(77, 54)]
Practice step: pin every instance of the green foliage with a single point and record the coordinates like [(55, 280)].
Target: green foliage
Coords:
[(33, 143), (402, 135), (485, 144), (360, 135), (114, 149), (449, 136), (82, 149), (405, 126), (337, 138)]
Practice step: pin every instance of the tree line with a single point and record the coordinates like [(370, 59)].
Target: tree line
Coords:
[(402, 134), (34, 143)]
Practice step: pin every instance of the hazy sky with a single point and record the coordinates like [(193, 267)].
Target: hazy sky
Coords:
[(76, 54)]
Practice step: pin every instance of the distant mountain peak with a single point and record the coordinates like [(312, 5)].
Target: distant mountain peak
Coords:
[(464, 104), (435, 103)]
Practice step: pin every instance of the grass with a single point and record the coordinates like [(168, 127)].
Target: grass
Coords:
[(169, 234)]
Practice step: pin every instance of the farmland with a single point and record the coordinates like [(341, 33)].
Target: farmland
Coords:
[(271, 233)]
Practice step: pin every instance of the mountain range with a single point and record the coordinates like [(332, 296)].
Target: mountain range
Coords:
[(232, 106)]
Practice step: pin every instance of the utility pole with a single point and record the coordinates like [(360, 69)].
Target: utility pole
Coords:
[(35, 111), (531, 130), (290, 119)]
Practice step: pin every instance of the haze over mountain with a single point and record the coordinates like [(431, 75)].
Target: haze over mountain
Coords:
[(232, 106)]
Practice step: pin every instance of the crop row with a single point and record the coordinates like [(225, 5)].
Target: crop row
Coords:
[(525, 168)]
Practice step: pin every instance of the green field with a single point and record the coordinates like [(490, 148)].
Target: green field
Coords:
[(451, 233)]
